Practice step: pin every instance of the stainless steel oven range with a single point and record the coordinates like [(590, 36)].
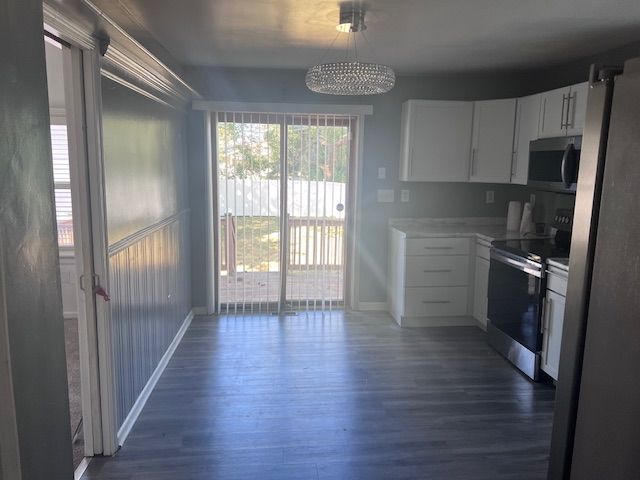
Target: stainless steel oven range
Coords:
[(517, 286)]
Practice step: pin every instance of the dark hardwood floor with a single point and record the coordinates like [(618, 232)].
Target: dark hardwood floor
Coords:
[(335, 396)]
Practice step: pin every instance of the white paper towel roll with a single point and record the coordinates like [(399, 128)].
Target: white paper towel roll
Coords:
[(513, 216), (526, 225)]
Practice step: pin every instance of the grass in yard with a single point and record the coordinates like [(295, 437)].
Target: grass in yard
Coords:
[(257, 243)]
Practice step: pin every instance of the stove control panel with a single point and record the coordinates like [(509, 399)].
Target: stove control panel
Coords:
[(563, 219)]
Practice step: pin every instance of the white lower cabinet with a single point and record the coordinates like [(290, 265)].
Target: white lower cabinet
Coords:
[(552, 321), (481, 289), (481, 281), (429, 280)]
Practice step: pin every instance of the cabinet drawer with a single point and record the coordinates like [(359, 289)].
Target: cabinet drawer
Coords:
[(483, 251), (437, 246), (435, 301), (557, 283), (437, 271)]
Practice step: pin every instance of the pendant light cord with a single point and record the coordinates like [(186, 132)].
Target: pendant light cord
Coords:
[(373, 53), (324, 55)]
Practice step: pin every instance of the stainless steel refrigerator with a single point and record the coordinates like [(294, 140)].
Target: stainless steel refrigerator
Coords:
[(596, 433)]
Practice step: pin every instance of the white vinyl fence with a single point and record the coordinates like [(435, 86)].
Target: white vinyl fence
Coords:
[(260, 198)]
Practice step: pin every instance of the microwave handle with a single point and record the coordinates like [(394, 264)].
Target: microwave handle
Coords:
[(568, 156)]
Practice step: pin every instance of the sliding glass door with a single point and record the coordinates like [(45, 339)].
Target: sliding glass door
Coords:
[(249, 199), (282, 196), (318, 150)]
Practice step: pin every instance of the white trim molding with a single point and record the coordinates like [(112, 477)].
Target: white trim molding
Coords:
[(372, 306), (199, 310), (133, 415), (122, 56), (81, 468), (112, 76), (125, 57), (302, 108), (129, 240), (66, 29)]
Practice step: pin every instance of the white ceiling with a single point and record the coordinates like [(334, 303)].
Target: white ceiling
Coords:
[(413, 36)]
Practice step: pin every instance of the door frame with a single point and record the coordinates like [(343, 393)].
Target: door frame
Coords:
[(83, 253), (81, 60), (352, 220)]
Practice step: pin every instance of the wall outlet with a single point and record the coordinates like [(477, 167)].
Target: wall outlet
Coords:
[(382, 173), (532, 200), (404, 196), (386, 196), (489, 196)]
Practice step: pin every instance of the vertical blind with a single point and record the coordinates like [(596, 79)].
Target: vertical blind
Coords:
[(62, 184), (262, 267)]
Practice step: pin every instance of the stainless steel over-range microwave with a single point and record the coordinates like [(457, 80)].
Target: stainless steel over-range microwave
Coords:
[(554, 163)]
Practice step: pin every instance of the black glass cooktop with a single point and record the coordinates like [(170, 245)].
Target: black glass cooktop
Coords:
[(537, 250)]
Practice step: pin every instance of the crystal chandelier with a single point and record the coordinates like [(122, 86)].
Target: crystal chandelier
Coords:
[(350, 77)]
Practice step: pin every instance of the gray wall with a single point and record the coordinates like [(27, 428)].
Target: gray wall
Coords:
[(382, 146), (197, 193), (148, 229), (381, 149), (145, 160), (28, 248)]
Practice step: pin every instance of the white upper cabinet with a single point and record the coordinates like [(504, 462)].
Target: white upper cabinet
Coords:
[(527, 120), (492, 144), (552, 112), (436, 141), (484, 141), (563, 111), (577, 109)]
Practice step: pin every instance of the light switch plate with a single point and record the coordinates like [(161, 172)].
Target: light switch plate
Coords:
[(404, 196), (489, 196), (385, 196), (382, 173)]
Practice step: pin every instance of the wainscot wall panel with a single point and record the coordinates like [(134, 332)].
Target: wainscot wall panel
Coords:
[(145, 165), (150, 300)]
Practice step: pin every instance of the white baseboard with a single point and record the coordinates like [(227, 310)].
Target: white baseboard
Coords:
[(82, 467), (199, 310), (462, 321), (130, 421), (372, 306), (480, 325)]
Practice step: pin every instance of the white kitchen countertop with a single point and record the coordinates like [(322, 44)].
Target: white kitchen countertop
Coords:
[(561, 263), (487, 229)]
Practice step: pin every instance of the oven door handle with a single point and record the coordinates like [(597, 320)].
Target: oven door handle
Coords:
[(519, 264)]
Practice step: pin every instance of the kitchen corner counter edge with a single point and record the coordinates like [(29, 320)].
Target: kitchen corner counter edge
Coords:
[(483, 228)]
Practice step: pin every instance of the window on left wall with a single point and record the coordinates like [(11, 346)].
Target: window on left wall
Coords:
[(62, 183)]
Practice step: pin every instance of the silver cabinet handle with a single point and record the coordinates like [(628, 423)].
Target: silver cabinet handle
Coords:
[(411, 162), (544, 112), (438, 248), (545, 314), (565, 98), (571, 109), (436, 301), (545, 327), (442, 270), (514, 164), (474, 161)]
